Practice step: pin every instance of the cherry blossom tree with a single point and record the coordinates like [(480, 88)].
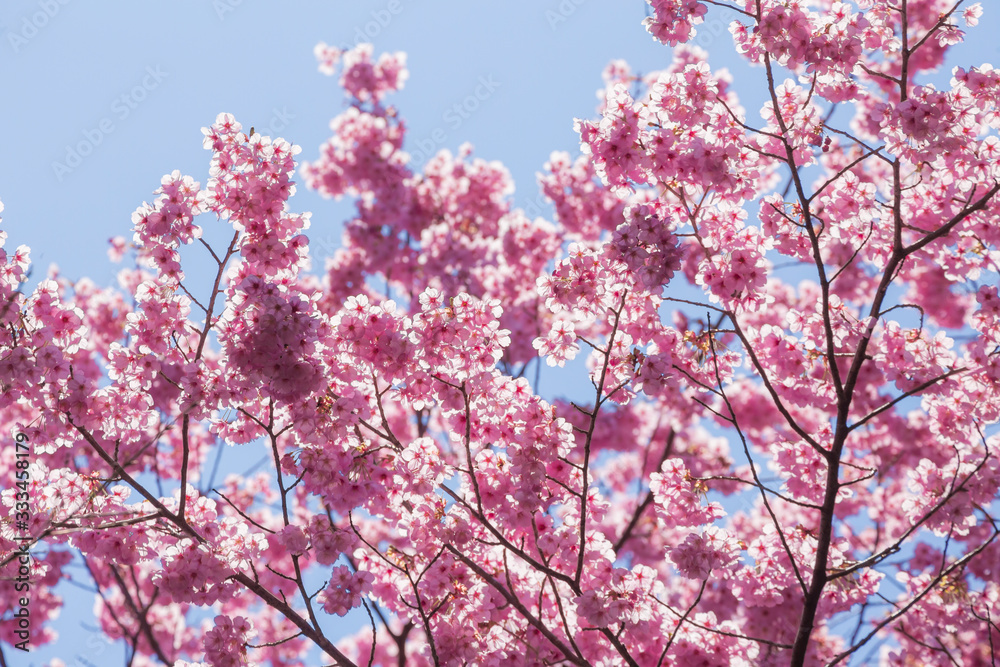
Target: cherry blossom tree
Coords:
[(791, 326)]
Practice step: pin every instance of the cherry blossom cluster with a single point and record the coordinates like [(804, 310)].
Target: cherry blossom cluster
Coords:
[(345, 590), (687, 130), (225, 643), (672, 20), (163, 226), (251, 179), (361, 78), (271, 340), (647, 245), (828, 45)]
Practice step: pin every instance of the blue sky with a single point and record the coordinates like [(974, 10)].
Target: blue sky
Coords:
[(134, 82), (250, 59)]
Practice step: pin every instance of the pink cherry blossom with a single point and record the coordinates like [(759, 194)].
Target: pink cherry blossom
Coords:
[(786, 447)]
